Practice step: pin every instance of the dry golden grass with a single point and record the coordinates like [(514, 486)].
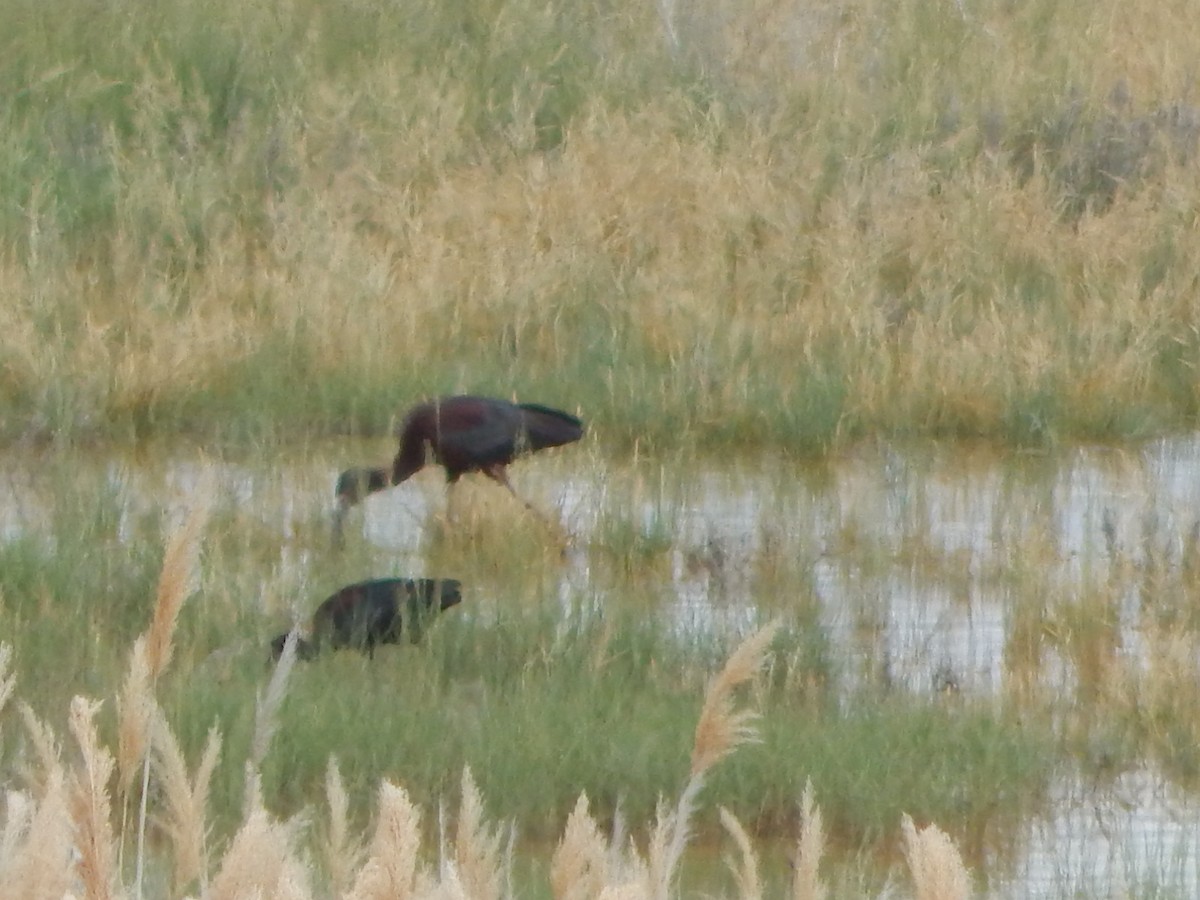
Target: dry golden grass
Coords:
[(477, 859), (89, 806), (185, 802), (390, 869), (45, 749), (179, 580), (889, 239), (341, 852), (745, 866), (7, 681), (579, 867), (937, 869), (136, 710), (261, 861), (38, 865), (722, 728), (267, 705), (806, 881)]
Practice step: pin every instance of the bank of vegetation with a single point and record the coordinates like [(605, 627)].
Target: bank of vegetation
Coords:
[(719, 224)]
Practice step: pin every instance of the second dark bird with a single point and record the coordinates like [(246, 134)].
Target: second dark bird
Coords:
[(461, 434), (364, 615)]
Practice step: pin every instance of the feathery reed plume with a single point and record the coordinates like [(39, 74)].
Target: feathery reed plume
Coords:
[(252, 797), (293, 884), (937, 869), (178, 580), (153, 650), (89, 806), (745, 869), (45, 748), (667, 840), (18, 810), (7, 682), (186, 800), (341, 855), (721, 728), (578, 869), (719, 731), (135, 710), (41, 868), (806, 882), (390, 872), (260, 862), (616, 840), (476, 846), (267, 705), (136, 707), (626, 890)]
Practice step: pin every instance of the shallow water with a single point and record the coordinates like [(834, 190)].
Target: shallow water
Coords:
[(915, 556)]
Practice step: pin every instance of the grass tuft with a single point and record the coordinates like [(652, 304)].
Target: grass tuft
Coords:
[(806, 881), (89, 806), (937, 869)]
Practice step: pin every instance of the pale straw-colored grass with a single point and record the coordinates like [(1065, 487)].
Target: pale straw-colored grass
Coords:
[(579, 866), (179, 579), (18, 812), (40, 864), (477, 856), (806, 880), (937, 868), (46, 751), (8, 681), (266, 706), (89, 806), (722, 727), (152, 651), (261, 861), (185, 802), (390, 871), (720, 730), (745, 865), (342, 853), (61, 842), (136, 709)]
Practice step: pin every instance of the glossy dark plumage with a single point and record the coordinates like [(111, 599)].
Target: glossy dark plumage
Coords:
[(462, 434), (363, 615)]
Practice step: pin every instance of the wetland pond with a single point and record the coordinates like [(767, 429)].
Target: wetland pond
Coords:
[(927, 563)]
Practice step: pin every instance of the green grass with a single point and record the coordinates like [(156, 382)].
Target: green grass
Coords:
[(541, 708)]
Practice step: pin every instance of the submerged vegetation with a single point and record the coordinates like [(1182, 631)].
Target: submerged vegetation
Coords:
[(710, 224)]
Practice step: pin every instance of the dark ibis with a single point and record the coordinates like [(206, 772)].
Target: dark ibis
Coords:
[(461, 434), (361, 616)]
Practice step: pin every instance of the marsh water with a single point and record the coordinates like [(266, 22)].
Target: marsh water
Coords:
[(918, 556)]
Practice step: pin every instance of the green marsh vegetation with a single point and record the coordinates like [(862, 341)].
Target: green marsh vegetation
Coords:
[(167, 784)]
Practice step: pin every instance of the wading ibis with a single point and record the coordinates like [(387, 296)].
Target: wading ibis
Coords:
[(362, 615), (461, 434)]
